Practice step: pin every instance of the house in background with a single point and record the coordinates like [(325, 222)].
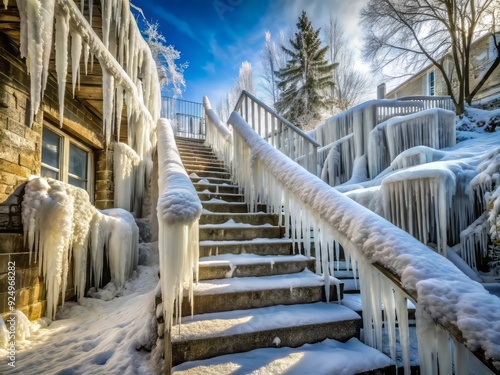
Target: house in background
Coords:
[(109, 104), (429, 81)]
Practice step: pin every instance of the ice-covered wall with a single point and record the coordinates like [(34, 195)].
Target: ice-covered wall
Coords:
[(61, 226)]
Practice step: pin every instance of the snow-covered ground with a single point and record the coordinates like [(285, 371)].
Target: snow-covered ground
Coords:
[(96, 337)]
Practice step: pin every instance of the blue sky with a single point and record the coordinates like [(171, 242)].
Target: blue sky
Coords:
[(216, 36)]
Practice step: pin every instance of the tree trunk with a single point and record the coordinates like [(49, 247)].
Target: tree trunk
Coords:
[(484, 79)]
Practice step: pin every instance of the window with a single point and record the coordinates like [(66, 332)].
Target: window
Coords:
[(65, 159), (430, 83)]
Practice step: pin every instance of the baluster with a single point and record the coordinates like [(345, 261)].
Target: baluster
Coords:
[(266, 127)]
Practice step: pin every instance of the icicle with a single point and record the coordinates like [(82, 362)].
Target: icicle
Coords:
[(108, 89), (119, 108), (76, 52), (62, 31), (37, 19)]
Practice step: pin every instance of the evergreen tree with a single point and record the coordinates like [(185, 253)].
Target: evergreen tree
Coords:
[(306, 80)]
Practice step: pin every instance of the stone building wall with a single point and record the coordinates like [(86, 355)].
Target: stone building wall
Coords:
[(20, 157)]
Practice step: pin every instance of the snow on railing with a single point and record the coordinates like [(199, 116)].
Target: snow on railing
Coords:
[(218, 135), (279, 132), (443, 102), (178, 211), (433, 128), (451, 309), (60, 224)]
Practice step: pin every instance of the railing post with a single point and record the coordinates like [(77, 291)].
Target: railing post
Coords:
[(167, 354)]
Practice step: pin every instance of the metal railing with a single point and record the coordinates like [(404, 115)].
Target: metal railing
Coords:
[(186, 117), (393, 266), (279, 132)]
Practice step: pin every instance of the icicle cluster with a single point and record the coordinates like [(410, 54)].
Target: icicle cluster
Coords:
[(125, 163), (219, 136), (60, 225), (179, 209), (347, 136), (433, 128), (312, 206), (129, 72)]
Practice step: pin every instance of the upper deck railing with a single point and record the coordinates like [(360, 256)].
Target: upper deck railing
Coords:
[(186, 117), (279, 132)]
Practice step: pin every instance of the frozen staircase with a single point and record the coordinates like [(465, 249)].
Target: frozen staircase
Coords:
[(254, 292)]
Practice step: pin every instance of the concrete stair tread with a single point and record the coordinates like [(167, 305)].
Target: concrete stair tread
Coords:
[(251, 265), (303, 279), (232, 224), (255, 241), (209, 185), (234, 322), (323, 358), (251, 218), (207, 195), (247, 259)]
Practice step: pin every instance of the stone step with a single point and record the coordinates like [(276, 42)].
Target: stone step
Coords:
[(252, 218), (216, 205), (258, 246), (199, 159), (247, 265), (206, 196), (252, 292), (237, 231), (189, 140), (203, 174), (210, 335), (204, 167), (188, 151), (211, 180), (225, 189)]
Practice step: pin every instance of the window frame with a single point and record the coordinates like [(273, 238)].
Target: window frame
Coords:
[(66, 141), (431, 75)]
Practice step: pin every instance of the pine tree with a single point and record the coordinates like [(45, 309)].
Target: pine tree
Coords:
[(307, 78)]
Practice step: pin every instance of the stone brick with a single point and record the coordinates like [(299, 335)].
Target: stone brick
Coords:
[(11, 243), (104, 195), (104, 185), (9, 178), (100, 175), (7, 153), (33, 136), (14, 169), (16, 128), (4, 221), (27, 161), (4, 209)]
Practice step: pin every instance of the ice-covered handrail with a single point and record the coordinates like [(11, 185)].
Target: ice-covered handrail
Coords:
[(178, 210), (218, 135), (444, 294), (279, 132)]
